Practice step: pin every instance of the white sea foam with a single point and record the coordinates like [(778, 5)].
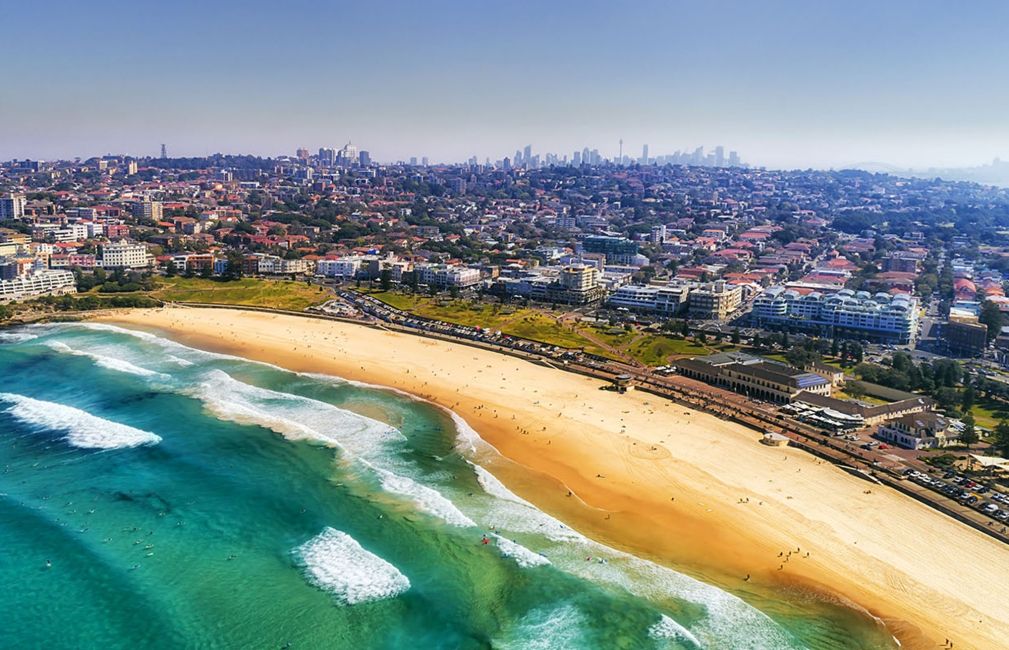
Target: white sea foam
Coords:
[(547, 629), (667, 628), (426, 499), (512, 512), (336, 562), (82, 428), (16, 337), (729, 619), (168, 344), (301, 418), (726, 616), (294, 416), (522, 556), (106, 361)]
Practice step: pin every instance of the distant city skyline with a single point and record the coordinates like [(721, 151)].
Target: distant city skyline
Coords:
[(792, 84)]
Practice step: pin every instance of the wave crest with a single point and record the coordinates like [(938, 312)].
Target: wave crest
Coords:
[(82, 429), (335, 562)]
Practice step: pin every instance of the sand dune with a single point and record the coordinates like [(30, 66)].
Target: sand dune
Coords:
[(660, 480)]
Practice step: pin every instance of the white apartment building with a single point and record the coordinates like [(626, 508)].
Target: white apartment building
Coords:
[(344, 267), (70, 232), (665, 301), (857, 314), (38, 283), (443, 275), (273, 265), (124, 255)]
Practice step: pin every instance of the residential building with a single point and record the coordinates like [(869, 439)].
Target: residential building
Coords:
[(666, 301), (345, 268), (148, 210), (12, 206), (618, 250), (273, 265), (443, 275), (965, 338), (879, 317), (38, 283), (124, 255), (715, 301)]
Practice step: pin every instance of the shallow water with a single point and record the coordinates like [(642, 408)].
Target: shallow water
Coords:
[(153, 494)]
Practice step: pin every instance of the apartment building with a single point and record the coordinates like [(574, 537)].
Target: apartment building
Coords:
[(345, 268), (443, 275), (124, 255), (665, 301), (715, 300), (37, 283), (878, 317)]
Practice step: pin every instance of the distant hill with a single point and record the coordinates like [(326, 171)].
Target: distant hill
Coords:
[(996, 173)]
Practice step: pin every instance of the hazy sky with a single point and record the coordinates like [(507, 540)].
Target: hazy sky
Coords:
[(795, 84)]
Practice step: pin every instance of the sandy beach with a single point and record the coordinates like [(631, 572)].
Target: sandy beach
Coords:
[(659, 480)]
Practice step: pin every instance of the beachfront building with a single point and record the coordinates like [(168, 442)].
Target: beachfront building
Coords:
[(926, 430), (576, 284), (274, 265), (444, 275), (715, 301), (124, 255), (343, 268), (850, 314), (42, 282), (662, 300), (754, 376), (870, 413)]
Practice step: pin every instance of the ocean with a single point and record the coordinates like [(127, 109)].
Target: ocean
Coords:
[(156, 495)]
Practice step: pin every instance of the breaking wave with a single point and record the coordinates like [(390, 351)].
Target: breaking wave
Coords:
[(82, 429), (335, 562), (105, 361)]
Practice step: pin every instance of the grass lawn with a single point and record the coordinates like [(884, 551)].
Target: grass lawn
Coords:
[(655, 350), (278, 294), (987, 413), (534, 324), (515, 321)]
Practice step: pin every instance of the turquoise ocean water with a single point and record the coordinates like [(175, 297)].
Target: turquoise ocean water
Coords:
[(155, 495)]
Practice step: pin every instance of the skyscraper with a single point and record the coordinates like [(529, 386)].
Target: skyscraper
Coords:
[(527, 154), (719, 156), (364, 158), (164, 151), (644, 154)]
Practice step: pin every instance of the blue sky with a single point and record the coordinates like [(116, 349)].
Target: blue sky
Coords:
[(791, 84)]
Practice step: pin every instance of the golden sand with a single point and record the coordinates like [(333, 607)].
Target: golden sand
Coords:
[(657, 479)]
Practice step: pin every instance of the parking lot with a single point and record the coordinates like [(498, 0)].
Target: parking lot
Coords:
[(966, 491)]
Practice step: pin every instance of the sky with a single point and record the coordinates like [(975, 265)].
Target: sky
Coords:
[(787, 84)]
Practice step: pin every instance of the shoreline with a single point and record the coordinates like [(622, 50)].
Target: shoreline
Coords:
[(637, 464)]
